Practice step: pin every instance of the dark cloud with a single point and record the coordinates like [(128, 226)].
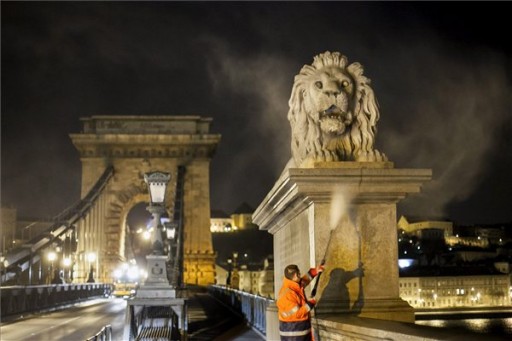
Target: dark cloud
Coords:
[(443, 85)]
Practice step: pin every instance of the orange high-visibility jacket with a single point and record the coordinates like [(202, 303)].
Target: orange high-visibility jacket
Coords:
[(291, 302)]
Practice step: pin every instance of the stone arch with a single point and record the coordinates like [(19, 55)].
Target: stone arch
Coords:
[(135, 145)]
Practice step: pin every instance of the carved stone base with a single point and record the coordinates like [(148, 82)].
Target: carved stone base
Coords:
[(156, 291), (157, 270)]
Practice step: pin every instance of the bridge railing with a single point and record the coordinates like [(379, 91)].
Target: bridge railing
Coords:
[(252, 307), (16, 300), (20, 260), (105, 334)]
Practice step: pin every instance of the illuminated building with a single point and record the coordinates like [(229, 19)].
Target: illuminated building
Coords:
[(456, 291), (240, 219), (416, 226)]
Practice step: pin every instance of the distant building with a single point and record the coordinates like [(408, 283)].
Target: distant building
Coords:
[(467, 241), (503, 267), (415, 226), (440, 270), (249, 279), (220, 221), (437, 229), (240, 219), (455, 291), (15, 232), (254, 279)]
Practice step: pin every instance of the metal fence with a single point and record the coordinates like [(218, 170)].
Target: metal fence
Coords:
[(252, 307), (105, 334), (35, 298)]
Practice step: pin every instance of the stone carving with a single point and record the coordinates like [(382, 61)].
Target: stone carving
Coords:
[(333, 113)]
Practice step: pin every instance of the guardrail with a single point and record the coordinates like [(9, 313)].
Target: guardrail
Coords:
[(105, 334), (252, 307), (17, 300)]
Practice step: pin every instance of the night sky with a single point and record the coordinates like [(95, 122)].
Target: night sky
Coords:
[(442, 79)]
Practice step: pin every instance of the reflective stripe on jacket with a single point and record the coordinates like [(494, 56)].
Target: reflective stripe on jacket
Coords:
[(295, 331)]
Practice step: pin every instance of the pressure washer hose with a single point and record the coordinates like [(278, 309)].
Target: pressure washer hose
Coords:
[(313, 292)]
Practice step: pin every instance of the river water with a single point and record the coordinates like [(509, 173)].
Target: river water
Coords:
[(488, 326)]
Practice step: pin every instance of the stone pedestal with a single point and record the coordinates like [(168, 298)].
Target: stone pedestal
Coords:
[(156, 285), (149, 315), (272, 322), (356, 238)]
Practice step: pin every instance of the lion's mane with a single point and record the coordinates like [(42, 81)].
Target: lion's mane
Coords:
[(354, 136)]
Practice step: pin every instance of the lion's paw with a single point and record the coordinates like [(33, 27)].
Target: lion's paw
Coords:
[(371, 156)]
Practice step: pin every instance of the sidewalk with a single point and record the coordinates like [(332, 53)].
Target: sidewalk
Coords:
[(210, 320)]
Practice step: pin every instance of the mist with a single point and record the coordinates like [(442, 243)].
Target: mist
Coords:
[(450, 113), (442, 86), (440, 108)]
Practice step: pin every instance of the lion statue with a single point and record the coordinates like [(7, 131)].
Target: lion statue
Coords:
[(333, 113)]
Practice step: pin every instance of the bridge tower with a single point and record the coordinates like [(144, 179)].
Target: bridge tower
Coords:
[(134, 145)]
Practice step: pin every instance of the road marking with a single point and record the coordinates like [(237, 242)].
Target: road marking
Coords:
[(59, 324)]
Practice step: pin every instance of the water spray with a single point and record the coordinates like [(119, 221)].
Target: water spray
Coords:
[(338, 209)]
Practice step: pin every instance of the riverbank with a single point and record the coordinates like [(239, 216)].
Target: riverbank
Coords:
[(463, 313)]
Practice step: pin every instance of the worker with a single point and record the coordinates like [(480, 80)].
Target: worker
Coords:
[(293, 306)]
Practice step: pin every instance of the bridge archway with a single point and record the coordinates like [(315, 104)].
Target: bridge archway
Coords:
[(134, 145)]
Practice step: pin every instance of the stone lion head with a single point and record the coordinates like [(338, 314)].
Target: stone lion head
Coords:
[(333, 113)]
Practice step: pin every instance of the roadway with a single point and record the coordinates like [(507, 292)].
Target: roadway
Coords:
[(76, 323), (207, 320)]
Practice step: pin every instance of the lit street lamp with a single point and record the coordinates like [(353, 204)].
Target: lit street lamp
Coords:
[(51, 257), (156, 291), (66, 262), (91, 257), (157, 183)]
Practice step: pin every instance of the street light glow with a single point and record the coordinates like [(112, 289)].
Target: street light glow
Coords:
[(91, 256), (52, 256)]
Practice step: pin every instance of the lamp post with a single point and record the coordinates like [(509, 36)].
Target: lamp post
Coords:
[(156, 290), (66, 262), (91, 257), (235, 277), (156, 262), (51, 257), (3, 267), (228, 279), (157, 183)]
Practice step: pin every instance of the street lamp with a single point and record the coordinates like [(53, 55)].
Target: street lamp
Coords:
[(51, 257), (228, 279), (3, 266), (91, 257), (170, 230), (156, 261), (235, 277), (157, 183), (66, 262)]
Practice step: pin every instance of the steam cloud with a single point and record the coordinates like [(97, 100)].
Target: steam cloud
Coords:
[(450, 115), (443, 117)]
